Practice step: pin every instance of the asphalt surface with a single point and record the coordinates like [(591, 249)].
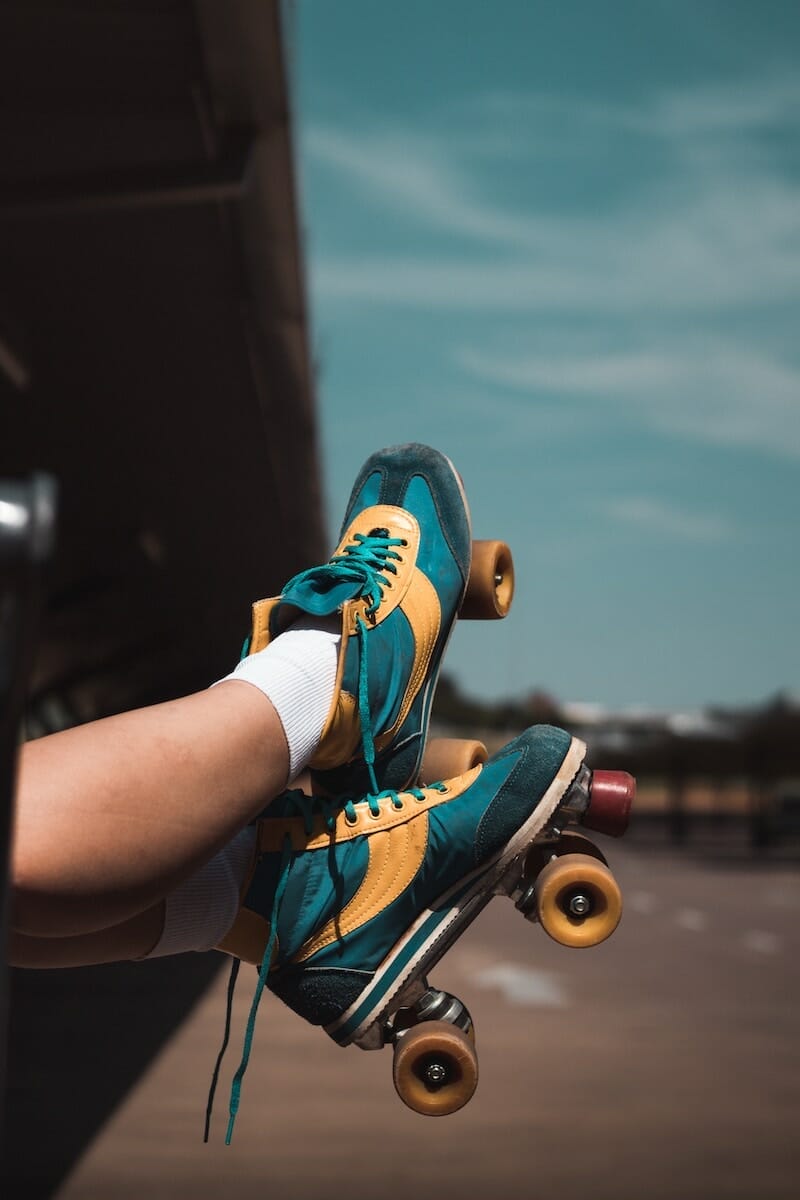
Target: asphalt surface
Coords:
[(663, 1064)]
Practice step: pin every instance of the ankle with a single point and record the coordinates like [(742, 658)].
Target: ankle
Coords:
[(297, 673)]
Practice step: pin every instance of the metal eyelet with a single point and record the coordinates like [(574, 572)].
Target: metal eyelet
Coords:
[(375, 816), (348, 820)]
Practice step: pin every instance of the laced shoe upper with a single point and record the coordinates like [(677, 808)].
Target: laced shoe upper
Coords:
[(345, 897), (397, 577)]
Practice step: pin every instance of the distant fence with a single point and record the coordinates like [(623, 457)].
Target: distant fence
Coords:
[(685, 809), (688, 788)]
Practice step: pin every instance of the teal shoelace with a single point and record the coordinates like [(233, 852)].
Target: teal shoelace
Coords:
[(307, 807), (364, 563)]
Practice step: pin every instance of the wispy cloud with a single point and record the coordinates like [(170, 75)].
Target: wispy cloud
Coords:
[(721, 239), (713, 234), (712, 227), (403, 171), (713, 389), (656, 516), (717, 253), (741, 108)]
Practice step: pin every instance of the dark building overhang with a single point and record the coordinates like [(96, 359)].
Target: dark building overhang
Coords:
[(154, 347), (154, 358)]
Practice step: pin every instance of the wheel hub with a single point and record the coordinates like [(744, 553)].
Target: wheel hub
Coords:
[(580, 905), (435, 1073)]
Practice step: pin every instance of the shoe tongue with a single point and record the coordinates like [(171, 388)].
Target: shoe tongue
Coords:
[(321, 590)]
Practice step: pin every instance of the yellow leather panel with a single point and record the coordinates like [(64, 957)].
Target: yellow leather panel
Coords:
[(421, 606), (340, 733), (409, 589), (395, 856), (400, 524), (262, 610), (271, 830), (341, 736), (247, 938)]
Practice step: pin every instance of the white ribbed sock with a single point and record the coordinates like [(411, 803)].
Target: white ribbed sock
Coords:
[(200, 912), (297, 672)]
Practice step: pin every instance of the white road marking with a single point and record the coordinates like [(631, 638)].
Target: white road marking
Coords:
[(761, 942), (524, 986), (692, 919), (640, 902)]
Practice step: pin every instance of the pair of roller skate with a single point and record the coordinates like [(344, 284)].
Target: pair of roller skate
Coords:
[(357, 891)]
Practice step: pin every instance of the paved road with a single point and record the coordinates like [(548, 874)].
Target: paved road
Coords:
[(663, 1065)]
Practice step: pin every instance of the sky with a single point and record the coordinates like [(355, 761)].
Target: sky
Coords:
[(560, 241)]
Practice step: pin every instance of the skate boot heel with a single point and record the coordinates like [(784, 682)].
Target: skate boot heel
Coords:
[(610, 798)]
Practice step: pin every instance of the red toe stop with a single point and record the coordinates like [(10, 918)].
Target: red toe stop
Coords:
[(610, 799)]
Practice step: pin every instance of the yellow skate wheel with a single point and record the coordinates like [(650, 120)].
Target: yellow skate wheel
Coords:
[(490, 589), (445, 758), (435, 1068), (578, 901)]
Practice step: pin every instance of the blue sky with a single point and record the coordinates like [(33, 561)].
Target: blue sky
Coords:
[(561, 242)]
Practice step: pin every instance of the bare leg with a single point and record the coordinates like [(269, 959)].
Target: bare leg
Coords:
[(134, 938), (113, 815)]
